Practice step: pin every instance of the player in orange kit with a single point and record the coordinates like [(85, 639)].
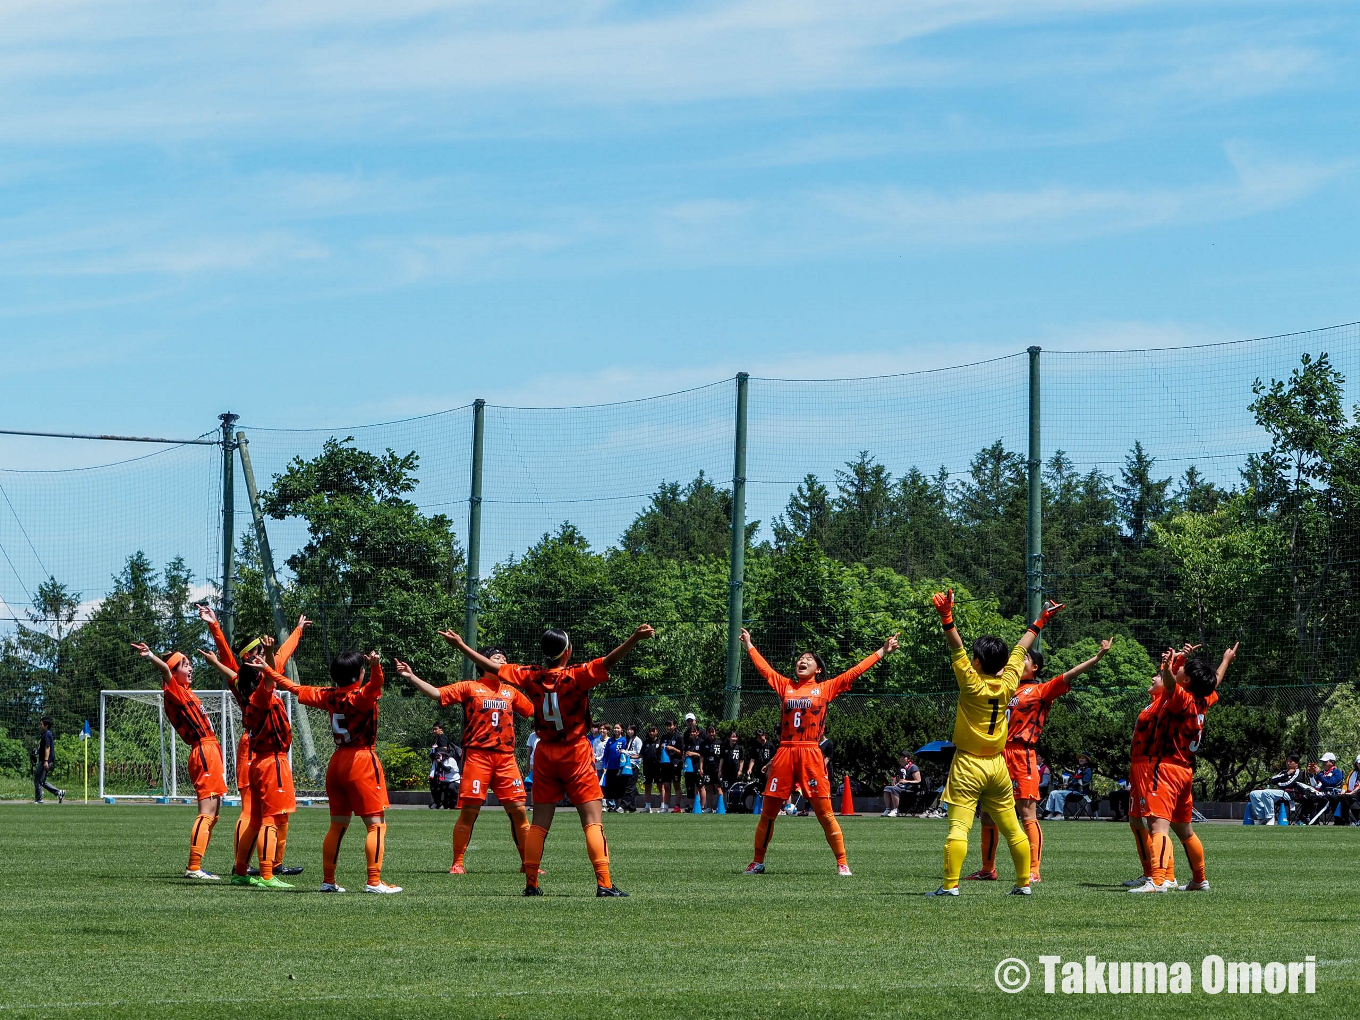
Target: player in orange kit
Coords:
[(489, 710), (1025, 719), (1189, 690), (799, 760), (355, 783), (272, 798), (564, 764), (186, 715)]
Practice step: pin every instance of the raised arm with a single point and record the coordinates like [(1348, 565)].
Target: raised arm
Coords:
[(206, 614), (1229, 654), (405, 672), (643, 632), (146, 653), (944, 605), (772, 676), (216, 663), (289, 646), (371, 691), (1051, 609), (477, 658), (1089, 664)]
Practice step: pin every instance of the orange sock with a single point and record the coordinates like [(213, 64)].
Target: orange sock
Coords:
[(989, 840), (373, 850), (1143, 838), (533, 852), (242, 824), (199, 836), (1036, 844), (330, 850), (1160, 853), (519, 828), (462, 833), (281, 824), (597, 847), (267, 845), (1194, 850), (246, 836), (769, 811), (821, 806)]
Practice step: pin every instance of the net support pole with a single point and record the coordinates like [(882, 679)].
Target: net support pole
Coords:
[(473, 597), (228, 614), (271, 588), (101, 745), (1034, 531), (737, 560)]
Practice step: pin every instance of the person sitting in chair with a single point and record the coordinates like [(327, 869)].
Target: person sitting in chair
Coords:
[(1285, 786), (1076, 783)]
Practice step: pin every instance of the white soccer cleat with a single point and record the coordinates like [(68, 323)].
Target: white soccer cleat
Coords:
[(1149, 887), (1140, 880), (1021, 890), (844, 870), (199, 873), (942, 891), (330, 887), (1196, 886), (383, 889)]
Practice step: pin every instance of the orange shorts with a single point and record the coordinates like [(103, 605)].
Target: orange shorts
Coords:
[(271, 786), (206, 770), (490, 771), (1138, 772), (1023, 765), (800, 764), (355, 784), (563, 770), (1166, 792), (243, 766)]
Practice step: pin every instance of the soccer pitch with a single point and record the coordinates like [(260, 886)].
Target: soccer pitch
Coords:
[(96, 922)]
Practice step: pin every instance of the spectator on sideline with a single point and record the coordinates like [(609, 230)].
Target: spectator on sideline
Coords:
[(1077, 783), (1286, 784), (439, 744), (1350, 797), (1119, 801), (450, 778), (597, 742), (905, 781), (651, 766), (45, 761), (733, 758), (1330, 782), (672, 754), (1045, 777), (611, 758), (761, 756), (530, 743), (711, 767), (693, 742), (632, 763)]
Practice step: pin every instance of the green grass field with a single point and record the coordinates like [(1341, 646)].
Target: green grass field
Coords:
[(96, 921)]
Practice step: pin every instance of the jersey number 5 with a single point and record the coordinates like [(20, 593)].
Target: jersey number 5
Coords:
[(338, 726), (552, 711)]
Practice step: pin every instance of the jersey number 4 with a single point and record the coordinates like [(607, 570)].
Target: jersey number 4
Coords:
[(552, 711)]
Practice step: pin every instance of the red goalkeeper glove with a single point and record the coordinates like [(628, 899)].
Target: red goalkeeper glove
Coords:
[(944, 605), (1051, 610)]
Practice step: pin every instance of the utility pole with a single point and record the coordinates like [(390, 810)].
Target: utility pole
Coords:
[(473, 598), (228, 611), (737, 559), (1034, 552)]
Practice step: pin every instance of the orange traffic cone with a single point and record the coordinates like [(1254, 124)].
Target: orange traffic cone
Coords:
[(847, 801)]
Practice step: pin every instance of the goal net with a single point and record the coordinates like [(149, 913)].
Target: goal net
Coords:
[(141, 756)]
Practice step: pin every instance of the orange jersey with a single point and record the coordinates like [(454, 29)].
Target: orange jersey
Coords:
[(1027, 713), (560, 697), (803, 712), (353, 708), (266, 721), (185, 712), (488, 712), (1144, 730), (1180, 726)]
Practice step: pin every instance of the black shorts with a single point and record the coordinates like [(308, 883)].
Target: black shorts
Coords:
[(652, 771), (691, 783), (710, 779)]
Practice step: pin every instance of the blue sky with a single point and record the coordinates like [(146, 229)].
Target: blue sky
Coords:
[(332, 213)]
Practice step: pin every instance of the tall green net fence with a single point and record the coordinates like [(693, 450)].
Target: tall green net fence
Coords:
[(1204, 494)]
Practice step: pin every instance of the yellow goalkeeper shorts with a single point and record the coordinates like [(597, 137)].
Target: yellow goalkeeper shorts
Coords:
[(976, 781)]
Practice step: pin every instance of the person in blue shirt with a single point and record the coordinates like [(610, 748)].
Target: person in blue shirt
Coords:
[(611, 757), (1330, 782), (1077, 783)]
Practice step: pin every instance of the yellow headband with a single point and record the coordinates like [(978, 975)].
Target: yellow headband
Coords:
[(246, 650)]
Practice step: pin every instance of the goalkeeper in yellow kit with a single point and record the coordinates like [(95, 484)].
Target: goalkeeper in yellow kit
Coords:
[(979, 777)]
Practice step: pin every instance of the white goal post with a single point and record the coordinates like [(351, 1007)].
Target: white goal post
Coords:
[(140, 755)]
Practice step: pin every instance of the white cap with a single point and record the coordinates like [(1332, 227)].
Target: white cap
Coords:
[(1328, 757), (689, 716)]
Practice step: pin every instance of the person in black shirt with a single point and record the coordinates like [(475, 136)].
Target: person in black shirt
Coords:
[(731, 761), (672, 754), (693, 764), (439, 746), (47, 758), (903, 790), (761, 756), (712, 770), (651, 766)]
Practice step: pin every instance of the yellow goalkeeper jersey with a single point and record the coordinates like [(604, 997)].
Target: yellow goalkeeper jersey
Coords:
[(980, 721)]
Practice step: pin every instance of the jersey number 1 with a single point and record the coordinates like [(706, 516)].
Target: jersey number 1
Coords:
[(996, 707), (552, 711)]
